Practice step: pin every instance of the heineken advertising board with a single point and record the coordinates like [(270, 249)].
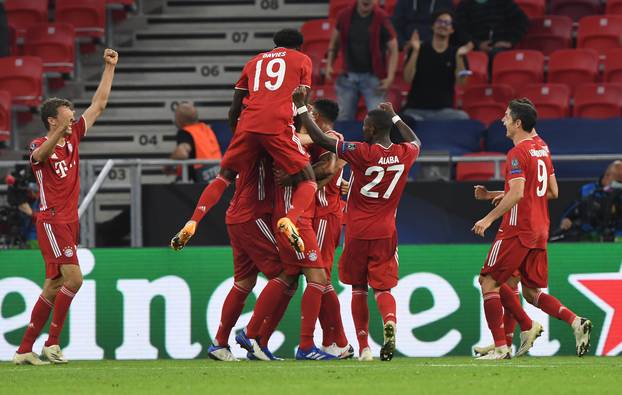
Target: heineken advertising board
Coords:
[(153, 303)]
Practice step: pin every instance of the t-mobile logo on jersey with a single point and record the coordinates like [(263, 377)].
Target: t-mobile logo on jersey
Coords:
[(61, 168)]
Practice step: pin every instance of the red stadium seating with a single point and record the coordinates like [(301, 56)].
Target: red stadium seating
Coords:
[(5, 115), (316, 37), (576, 9), (533, 8), (478, 64), (487, 103), (476, 171), (518, 68), (88, 17), (551, 100), (23, 14), (598, 101), (22, 77), (548, 33), (614, 7), (600, 32), (54, 43), (573, 66), (613, 66), (336, 6), (12, 41), (324, 92)]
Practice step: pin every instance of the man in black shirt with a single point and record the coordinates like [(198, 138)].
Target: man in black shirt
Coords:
[(411, 15), (433, 68)]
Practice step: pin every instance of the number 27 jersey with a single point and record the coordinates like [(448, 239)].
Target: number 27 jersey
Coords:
[(379, 175)]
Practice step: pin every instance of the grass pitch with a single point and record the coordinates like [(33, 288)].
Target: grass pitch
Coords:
[(458, 375)]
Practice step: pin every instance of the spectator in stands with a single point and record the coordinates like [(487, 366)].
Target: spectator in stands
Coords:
[(196, 140), (432, 68), (411, 15), (491, 25), (368, 43), (4, 32)]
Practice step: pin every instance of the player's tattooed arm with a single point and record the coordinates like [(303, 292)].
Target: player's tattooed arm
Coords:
[(100, 98), (514, 195), (236, 107), (405, 131), (317, 135)]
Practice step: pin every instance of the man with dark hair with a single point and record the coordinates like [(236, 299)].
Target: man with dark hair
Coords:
[(366, 38), (56, 165), (419, 15), (433, 68), (379, 174)]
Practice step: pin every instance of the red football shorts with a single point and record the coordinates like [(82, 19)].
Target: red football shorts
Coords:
[(254, 249), (373, 262), (328, 231), (294, 262), (284, 148), (58, 245), (507, 256)]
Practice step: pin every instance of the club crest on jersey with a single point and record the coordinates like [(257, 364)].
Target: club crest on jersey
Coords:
[(69, 147), (312, 256), (68, 252), (349, 147)]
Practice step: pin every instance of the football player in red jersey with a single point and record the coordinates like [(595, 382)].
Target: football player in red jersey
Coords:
[(56, 164), (379, 174), (261, 117), (520, 244)]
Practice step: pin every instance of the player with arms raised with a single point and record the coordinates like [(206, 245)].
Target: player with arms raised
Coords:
[(379, 174), (56, 164)]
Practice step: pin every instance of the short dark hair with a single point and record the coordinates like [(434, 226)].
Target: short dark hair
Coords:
[(49, 108), (524, 110), (443, 11), (381, 120), (328, 109), (288, 38)]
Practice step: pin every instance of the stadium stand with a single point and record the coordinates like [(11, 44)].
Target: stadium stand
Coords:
[(600, 32), (24, 14), (548, 33), (575, 9), (533, 8), (551, 100), (573, 67), (518, 68), (598, 101), (54, 43), (614, 7), (613, 66), (22, 76), (5, 116), (487, 103), (478, 65), (87, 16), (478, 171)]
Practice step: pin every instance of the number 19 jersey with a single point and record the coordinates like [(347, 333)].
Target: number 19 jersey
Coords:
[(270, 78), (379, 175), (529, 218)]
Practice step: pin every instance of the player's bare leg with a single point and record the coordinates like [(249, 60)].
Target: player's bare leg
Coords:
[(494, 316), (582, 327), (302, 197)]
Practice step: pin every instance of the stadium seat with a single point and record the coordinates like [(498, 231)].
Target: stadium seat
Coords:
[(533, 8), (336, 6), (324, 92), (598, 101), (487, 103), (316, 37), (22, 76), (575, 9), (518, 68), (5, 115), (23, 14), (54, 43), (88, 17), (551, 100), (614, 7), (600, 32), (476, 171), (478, 65), (573, 67), (12, 41), (548, 33), (613, 66)]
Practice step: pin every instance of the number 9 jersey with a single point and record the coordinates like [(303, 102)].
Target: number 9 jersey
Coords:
[(270, 78), (529, 218)]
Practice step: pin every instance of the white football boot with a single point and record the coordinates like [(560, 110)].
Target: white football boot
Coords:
[(366, 355), (582, 329), (527, 338), (53, 354), (502, 352), (28, 358)]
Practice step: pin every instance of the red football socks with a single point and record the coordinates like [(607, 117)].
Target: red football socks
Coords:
[(360, 316), (309, 312), (386, 305), (303, 196), (210, 196), (265, 306), (511, 302), (38, 318), (330, 319), (553, 307), (494, 316), (231, 310), (61, 307), (270, 324)]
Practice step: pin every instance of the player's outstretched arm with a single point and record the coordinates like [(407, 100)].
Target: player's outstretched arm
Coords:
[(236, 107), (100, 98), (317, 135), (514, 195), (407, 133)]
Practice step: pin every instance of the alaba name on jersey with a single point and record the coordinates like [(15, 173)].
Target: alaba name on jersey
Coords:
[(379, 175), (254, 193), (59, 177), (529, 218), (270, 78), (327, 198)]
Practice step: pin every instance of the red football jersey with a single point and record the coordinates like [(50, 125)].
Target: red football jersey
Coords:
[(378, 179), (283, 203), (254, 193), (328, 198), (529, 218), (59, 177)]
